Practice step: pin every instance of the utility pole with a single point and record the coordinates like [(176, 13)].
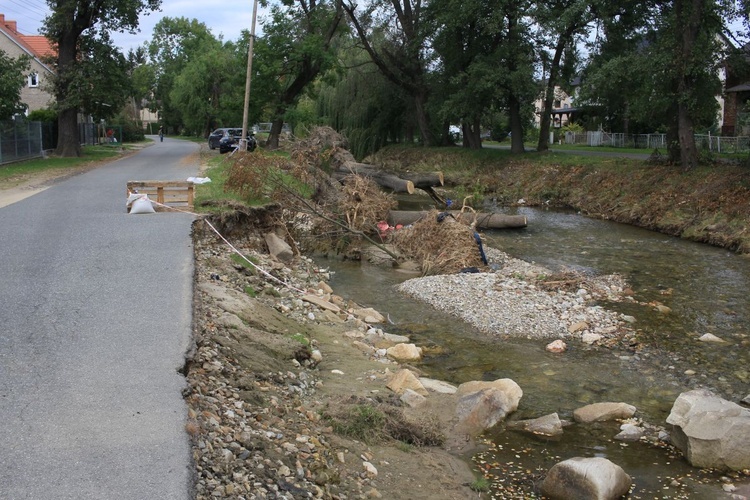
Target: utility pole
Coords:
[(248, 78)]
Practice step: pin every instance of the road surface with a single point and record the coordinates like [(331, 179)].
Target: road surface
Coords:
[(95, 319)]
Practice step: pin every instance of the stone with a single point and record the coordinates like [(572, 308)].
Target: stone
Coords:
[(592, 478), (370, 469), (629, 432), (368, 315), (548, 425), (557, 346), (601, 412), (577, 327), (590, 338), (321, 302), (325, 287), (710, 337), (746, 400), (404, 352), (366, 348), (279, 248), (405, 379), (481, 405), (663, 309), (710, 431), (412, 398), (438, 386)]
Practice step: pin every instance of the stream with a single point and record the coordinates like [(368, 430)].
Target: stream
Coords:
[(705, 288)]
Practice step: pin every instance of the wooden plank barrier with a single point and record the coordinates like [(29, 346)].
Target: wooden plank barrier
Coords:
[(178, 194)]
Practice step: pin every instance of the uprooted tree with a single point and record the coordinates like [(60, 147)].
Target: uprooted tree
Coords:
[(330, 213)]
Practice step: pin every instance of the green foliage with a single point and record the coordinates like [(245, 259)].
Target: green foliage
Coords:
[(245, 262), (250, 291), (480, 484), (301, 339), (46, 115), (12, 80), (362, 422)]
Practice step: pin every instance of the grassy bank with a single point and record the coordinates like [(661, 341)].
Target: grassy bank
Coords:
[(710, 204)]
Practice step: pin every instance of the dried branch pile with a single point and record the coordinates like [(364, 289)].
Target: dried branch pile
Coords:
[(438, 247)]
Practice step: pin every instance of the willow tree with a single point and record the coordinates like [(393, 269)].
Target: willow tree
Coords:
[(75, 26), (368, 109), (299, 43), (395, 35)]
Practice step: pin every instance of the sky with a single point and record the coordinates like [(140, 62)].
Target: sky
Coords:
[(227, 19)]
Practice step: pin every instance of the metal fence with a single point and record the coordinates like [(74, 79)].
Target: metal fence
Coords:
[(713, 143), (617, 140), (20, 140)]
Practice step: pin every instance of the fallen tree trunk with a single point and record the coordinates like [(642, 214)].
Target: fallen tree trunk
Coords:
[(423, 180), (397, 184), (484, 220)]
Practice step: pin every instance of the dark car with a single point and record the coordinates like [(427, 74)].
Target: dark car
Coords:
[(231, 142), (216, 135)]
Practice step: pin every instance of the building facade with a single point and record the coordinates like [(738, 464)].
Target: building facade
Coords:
[(35, 93)]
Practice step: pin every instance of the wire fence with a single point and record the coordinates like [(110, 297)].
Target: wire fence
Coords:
[(706, 142), (20, 140), (25, 140)]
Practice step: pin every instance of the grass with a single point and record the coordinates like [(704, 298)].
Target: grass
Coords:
[(15, 173), (362, 422), (481, 485)]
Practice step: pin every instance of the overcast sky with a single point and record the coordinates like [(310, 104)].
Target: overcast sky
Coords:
[(222, 18)]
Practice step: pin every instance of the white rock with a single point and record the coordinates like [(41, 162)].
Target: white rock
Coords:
[(710, 337), (370, 469)]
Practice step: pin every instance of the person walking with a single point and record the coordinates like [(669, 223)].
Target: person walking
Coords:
[(161, 134)]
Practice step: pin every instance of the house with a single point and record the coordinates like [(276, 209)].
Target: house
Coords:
[(34, 94), (563, 109), (736, 115)]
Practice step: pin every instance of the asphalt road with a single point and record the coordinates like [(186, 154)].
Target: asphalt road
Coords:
[(95, 319)]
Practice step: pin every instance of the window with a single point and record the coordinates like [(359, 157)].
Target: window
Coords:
[(33, 80)]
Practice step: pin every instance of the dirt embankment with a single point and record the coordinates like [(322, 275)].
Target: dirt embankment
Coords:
[(710, 204), (282, 402)]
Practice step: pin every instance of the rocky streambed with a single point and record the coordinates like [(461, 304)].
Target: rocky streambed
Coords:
[(306, 395)]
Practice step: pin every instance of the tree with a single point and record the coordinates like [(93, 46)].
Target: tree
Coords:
[(200, 87), (395, 36), (175, 43), (466, 38), (66, 27), (11, 82), (305, 32), (563, 22)]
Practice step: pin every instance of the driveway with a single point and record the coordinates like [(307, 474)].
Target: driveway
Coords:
[(95, 319)]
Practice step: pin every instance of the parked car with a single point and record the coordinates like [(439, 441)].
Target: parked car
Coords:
[(231, 141), (216, 135)]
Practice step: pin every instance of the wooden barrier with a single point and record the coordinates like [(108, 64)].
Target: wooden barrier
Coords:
[(178, 194)]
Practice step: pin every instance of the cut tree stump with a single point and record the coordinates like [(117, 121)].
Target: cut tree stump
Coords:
[(484, 220), (382, 179)]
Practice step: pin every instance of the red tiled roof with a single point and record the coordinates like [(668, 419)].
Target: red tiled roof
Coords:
[(38, 45)]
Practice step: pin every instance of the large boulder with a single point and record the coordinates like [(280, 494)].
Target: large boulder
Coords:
[(593, 478), (481, 405), (602, 412), (710, 431)]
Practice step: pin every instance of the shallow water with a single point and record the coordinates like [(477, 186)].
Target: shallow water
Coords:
[(706, 290)]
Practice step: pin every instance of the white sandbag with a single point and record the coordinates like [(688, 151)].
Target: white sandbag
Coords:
[(140, 204)]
